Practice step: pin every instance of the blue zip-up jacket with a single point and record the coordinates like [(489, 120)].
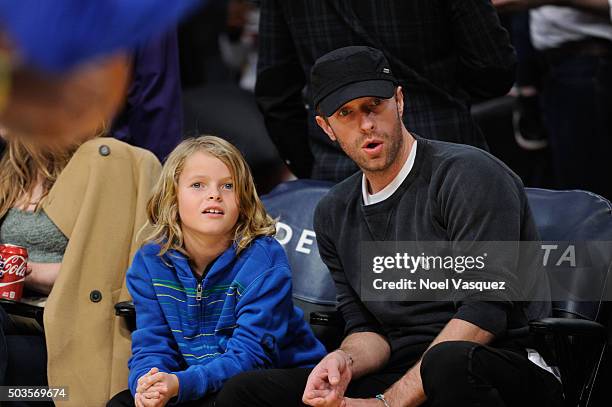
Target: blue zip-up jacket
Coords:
[(240, 317)]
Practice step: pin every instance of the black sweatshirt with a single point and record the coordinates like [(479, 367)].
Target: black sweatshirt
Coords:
[(453, 193)]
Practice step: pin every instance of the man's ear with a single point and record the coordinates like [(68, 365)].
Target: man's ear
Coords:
[(324, 124), (399, 98)]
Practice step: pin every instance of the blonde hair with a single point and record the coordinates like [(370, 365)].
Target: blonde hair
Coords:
[(25, 163), (162, 209)]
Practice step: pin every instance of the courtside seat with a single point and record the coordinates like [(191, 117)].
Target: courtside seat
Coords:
[(575, 334), (293, 204)]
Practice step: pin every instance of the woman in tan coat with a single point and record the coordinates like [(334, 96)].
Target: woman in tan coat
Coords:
[(86, 203)]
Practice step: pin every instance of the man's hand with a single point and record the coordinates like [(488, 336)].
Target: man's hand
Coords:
[(156, 388), (348, 402), (328, 381)]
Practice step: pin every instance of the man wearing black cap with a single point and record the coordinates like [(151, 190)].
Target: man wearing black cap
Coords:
[(447, 56), (407, 353)]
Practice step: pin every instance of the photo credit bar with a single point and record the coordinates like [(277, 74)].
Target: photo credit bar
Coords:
[(485, 271)]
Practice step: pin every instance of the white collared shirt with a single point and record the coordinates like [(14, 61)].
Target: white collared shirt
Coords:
[(386, 192)]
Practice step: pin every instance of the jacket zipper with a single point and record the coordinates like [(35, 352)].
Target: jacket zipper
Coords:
[(199, 291)]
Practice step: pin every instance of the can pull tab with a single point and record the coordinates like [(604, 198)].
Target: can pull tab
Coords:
[(199, 292)]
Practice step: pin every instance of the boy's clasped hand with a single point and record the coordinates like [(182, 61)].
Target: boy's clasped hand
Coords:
[(155, 388)]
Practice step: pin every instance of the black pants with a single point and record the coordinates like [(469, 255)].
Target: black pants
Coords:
[(23, 357), (125, 399), (456, 374)]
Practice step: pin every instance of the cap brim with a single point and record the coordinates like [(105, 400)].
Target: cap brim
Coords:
[(379, 88)]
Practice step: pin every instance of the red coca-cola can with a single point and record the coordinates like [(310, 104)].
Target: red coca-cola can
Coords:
[(13, 265)]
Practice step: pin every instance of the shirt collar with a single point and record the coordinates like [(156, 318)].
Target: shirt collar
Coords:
[(386, 192)]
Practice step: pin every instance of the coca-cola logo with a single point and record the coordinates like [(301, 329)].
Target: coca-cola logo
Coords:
[(15, 265)]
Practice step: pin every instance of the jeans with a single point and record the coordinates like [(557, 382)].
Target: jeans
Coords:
[(456, 373), (577, 107)]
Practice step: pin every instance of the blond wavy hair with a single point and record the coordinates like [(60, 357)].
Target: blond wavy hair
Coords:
[(25, 164), (162, 209)]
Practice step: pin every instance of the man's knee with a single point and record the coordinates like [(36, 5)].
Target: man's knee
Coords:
[(239, 389), (444, 356), (264, 388), (445, 365)]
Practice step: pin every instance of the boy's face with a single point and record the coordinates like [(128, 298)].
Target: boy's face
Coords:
[(207, 202)]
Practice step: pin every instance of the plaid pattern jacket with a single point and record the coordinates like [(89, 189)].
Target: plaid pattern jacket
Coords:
[(445, 53)]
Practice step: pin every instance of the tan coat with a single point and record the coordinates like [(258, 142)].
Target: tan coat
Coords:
[(99, 203)]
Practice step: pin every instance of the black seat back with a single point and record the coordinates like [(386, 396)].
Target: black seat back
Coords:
[(581, 219)]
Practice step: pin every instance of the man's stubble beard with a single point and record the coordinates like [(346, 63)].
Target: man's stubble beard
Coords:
[(395, 145)]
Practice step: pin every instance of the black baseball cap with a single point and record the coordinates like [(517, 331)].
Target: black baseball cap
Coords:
[(350, 73)]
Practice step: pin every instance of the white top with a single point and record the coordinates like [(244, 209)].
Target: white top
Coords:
[(552, 26), (386, 192)]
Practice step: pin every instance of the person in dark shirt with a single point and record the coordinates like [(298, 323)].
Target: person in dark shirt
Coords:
[(152, 117), (445, 54), (408, 353)]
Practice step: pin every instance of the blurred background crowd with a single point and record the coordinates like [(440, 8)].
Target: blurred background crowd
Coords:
[(528, 80)]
